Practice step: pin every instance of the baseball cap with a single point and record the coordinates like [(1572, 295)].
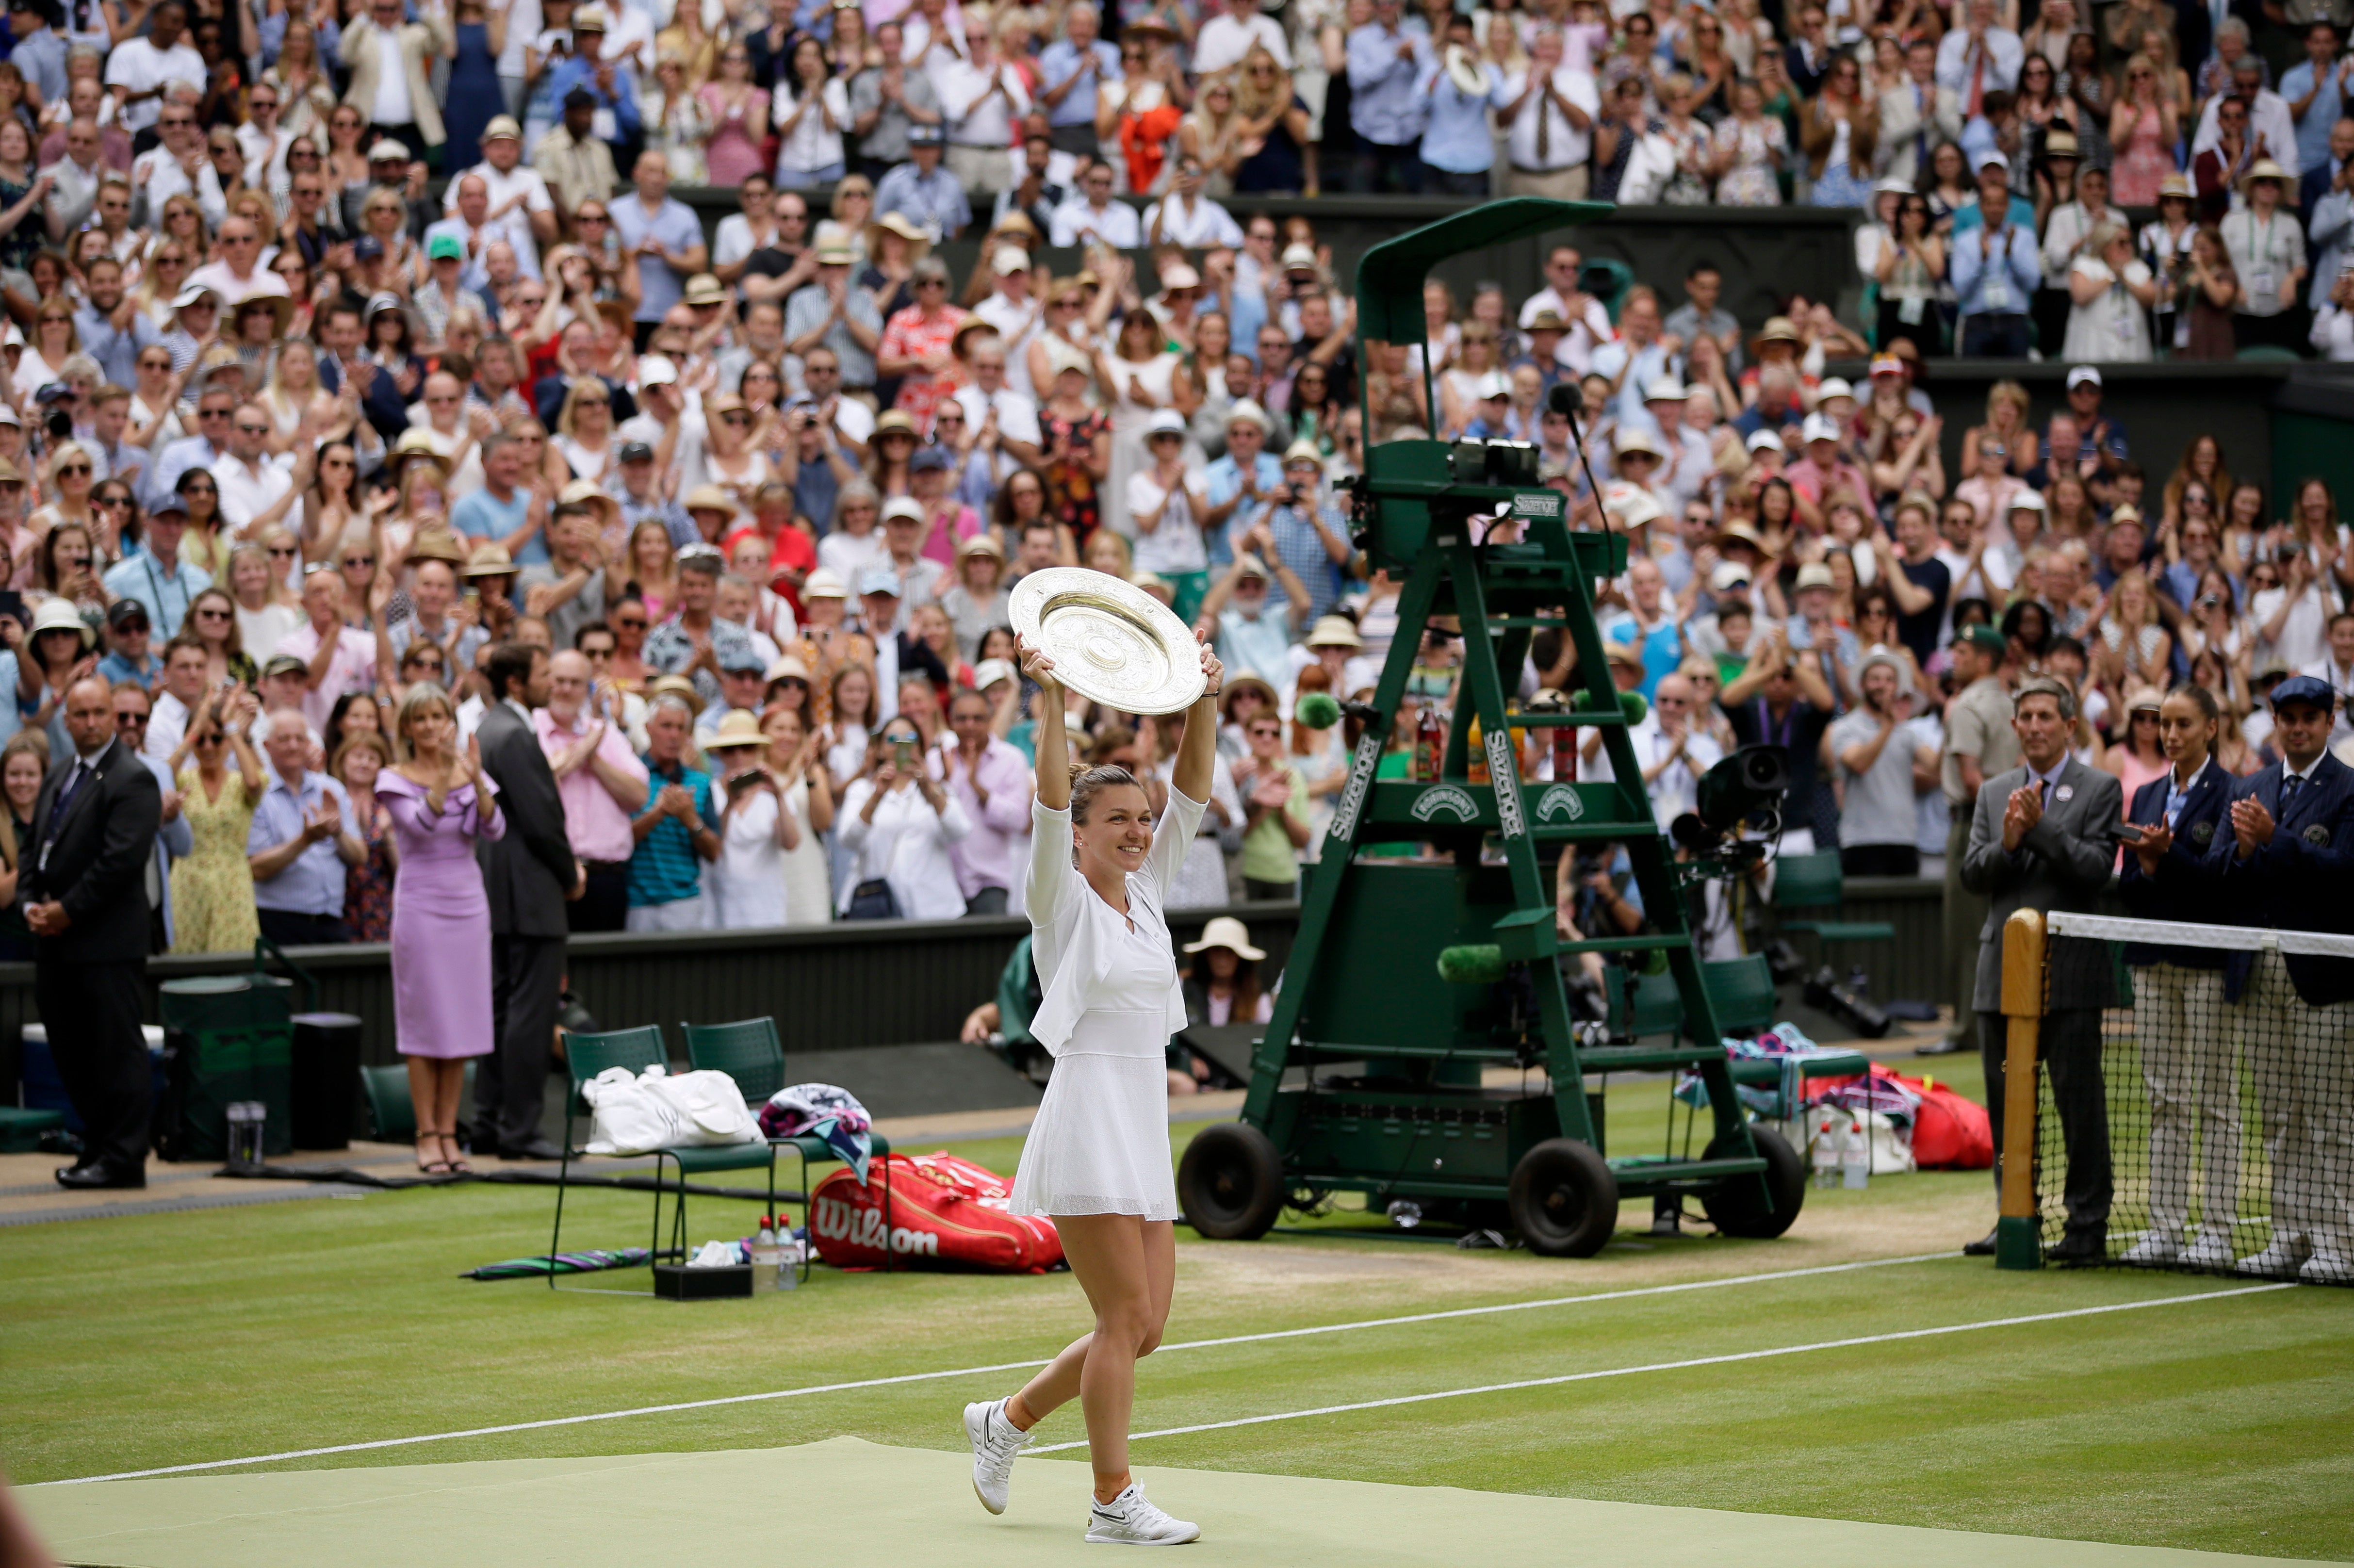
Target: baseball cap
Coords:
[(825, 583), (1164, 422), (1493, 385), (879, 579), (1728, 575), (988, 672), (901, 506), (920, 136), (1299, 258), (502, 127), (1983, 638), (927, 460), (445, 246), (2025, 500), (385, 150), (741, 658), (1821, 428), (1815, 575), (656, 370), (636, 451), (1009, 258), (1834, 386), (2083, 376), (1990, 159), (1764, 441), (286, 664), (1664, 389)]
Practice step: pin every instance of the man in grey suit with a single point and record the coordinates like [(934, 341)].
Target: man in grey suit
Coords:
[(2040, 839), (529, 873)]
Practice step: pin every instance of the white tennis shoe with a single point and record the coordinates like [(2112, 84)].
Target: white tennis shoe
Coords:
[(995, 1441), (2157, 1247), (2211, 1248), (1130, 1520)]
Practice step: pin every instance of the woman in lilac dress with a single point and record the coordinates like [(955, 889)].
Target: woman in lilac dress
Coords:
[(440, 803)]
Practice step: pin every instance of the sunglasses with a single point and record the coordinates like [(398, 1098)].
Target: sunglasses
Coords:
[(289, 551), (350, 561), (634, 623), (212, 614)]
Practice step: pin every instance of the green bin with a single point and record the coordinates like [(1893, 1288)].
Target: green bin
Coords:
[(226, 1038)]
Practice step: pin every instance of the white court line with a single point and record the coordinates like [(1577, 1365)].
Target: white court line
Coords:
[(1004, 1366), (1680, 1366)]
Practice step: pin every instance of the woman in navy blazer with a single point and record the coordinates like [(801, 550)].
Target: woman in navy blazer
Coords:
[(2181, 1015)]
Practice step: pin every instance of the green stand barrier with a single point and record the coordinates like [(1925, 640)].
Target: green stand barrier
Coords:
[(228, 1038)]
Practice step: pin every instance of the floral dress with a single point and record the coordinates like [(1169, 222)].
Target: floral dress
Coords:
[(1755, 145), (367, 887), (212, 888), (1073, 496), (1692, 143)]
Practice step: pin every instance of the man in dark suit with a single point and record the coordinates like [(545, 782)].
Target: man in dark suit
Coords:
[(2040, 840), (93, 830), (2283, 865), (2183, 1018), (529, 874)]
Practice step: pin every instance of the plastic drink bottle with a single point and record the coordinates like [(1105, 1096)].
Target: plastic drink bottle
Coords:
[(1855, 1158), (1429, 743), (1826, 1157)]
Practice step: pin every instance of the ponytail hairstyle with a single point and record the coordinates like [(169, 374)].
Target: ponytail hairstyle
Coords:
[(1088, 781), (2203, 699)]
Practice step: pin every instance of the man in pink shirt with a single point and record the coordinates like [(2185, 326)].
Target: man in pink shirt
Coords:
[(600, 781), (991, 779), (1822, 472), (341, 659)]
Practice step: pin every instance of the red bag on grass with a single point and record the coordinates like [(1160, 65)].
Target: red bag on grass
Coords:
[(1950, 1132), (945, 1213)]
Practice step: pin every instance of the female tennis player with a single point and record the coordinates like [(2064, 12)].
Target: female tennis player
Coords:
[(1098, 1156)]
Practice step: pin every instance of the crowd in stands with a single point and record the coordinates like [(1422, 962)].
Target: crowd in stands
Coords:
[(348, 346)]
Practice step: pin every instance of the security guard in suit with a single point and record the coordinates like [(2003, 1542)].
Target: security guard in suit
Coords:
[(2040, 839), (2186, 1028), (2283, 865)]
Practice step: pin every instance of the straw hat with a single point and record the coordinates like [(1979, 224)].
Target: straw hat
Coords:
[(1229, 933), (490, 560), (677, 687), (1777, 329), (981, 545), (825, 583), (919, 244), (739, 727), (441, 544), (787, 668), (2265, 169), (1334, 632), (710, 498)]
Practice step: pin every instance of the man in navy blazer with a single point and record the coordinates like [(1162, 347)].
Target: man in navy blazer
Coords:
[(2283, 865), (2184, 1024)]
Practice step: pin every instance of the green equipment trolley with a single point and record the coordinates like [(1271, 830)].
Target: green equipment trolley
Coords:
[(1428, 972)]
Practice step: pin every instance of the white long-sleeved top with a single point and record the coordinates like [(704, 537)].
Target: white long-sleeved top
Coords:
[(907, 845), (1075, 934)]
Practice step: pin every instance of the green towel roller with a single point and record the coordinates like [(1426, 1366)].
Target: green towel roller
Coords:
[(1474, 963)]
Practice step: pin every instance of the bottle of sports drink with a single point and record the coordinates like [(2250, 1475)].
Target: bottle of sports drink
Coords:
[(1827, 1152), (1475, 756), (1429, 743), (1855, 1158)]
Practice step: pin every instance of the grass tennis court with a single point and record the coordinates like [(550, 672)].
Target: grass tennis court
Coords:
[(2222, 1423)]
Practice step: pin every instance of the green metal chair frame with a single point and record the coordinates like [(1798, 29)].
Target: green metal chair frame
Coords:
[(1740, 990), (1815, 881), (749, 1052), (392, 1115), (588, 1054)]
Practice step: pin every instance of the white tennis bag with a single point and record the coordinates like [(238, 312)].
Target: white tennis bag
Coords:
[(637, 1114)]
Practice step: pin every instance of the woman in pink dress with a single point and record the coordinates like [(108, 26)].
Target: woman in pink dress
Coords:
[(2142, 128), (739, 120), (440, 803)]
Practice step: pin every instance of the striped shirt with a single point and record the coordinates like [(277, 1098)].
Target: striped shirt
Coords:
[(664, 868)]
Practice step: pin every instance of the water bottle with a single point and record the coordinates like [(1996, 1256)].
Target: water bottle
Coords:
[(1855, 1159), (767, 1259), (245, 1121), (1827, 1172)]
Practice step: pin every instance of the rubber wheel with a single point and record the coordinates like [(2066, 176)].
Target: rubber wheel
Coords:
[(1230, 1182), (1735, 1208), (1563, 1199)]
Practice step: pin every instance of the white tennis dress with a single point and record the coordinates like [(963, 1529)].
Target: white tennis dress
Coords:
[(1111, 1001)]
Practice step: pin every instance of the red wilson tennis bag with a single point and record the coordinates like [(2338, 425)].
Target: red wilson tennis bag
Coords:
[(945, 1213)]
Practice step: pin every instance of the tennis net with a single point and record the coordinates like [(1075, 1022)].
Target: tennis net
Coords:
[(2207, 1123)]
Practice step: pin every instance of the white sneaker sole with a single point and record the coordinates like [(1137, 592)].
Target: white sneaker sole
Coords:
[(975, 1432), (1095, 1539)]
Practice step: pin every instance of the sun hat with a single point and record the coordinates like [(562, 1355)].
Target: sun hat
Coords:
[(1225, 931), (825, 583), (60, 615), (738, 728), (1334, 632), (788, 668)]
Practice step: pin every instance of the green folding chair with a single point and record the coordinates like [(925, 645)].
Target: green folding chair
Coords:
[(1815, 881), (1654, 1007), (1740, 992), (392, 1115), (751, 1053), (588, 1054)]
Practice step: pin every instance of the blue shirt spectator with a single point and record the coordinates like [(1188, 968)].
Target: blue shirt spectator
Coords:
[(665, 870), (1094, 63), (479, 515), (1301, 543), (622, 103), (921, 191), (1221, 483), (1997, 276), (1455, 139), (1386, 59), (116, 349), (2328, 105), (314, 883), (164, 590), (671, 225)]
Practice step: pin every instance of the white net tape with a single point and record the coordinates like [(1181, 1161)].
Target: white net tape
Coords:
[(2183, 934)]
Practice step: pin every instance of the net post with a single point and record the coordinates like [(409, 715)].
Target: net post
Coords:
[(2018, 1238)]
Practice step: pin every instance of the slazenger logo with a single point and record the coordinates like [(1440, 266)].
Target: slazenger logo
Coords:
[(1361, 774), (1508, 784), (1537, 504), (1446, 798), (1560, 798), (837, 1220)]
